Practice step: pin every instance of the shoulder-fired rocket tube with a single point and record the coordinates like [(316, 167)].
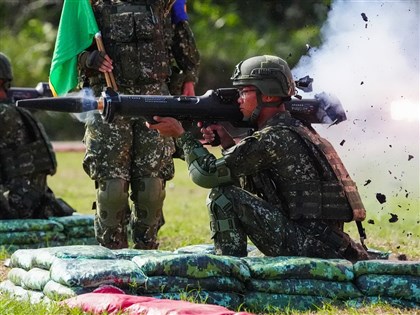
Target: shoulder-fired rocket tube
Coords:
[(68, 104)]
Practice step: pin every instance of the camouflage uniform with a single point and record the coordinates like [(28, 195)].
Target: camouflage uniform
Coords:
[(286, 197), (26, 158), (142, 42)]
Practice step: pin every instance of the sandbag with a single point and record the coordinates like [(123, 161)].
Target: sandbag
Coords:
[(31, 237), (230, 300), (129, 253), (35, 279), (58, 292), (269, 302), (22, 258), (162, 284), (83, 231), (45, 256), (193, 266), (380, 300), (20, 293), (331, 289), (396, 286), (387, 267), (75, 220), (24, 225), (16, 275), (90, 273), (300, 268)]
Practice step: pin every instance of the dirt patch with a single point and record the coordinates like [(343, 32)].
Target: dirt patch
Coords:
[(3, 271)]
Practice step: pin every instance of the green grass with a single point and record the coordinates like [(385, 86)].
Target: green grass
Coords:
[(187, 223)]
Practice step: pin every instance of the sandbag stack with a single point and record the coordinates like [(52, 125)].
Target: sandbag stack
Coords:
[(62, 272), (30, 233), (298, 282), (40, 233), (394, 282), (201, 277), (257, 284)]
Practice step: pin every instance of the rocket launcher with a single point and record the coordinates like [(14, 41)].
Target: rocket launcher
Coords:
[(213, 106)]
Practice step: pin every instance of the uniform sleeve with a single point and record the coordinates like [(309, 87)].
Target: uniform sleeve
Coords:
[(184, 48)]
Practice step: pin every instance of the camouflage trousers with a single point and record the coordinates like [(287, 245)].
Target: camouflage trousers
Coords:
[(127, 150), (236, 214)]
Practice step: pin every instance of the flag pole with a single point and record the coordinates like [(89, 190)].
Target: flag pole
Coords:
[(109, 76)]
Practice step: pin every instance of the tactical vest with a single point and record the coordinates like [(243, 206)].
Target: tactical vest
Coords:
[(35, 157), (135, 36), (331, 198)]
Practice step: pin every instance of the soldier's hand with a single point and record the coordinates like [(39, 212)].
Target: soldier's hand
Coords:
[(100, 61), (167, 126), (211, 132)]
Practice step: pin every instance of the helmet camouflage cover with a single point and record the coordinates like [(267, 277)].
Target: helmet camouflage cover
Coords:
[(270, 74), (5, 68)]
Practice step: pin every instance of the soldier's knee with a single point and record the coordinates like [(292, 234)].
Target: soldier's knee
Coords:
[(148, 195), (112, 201)]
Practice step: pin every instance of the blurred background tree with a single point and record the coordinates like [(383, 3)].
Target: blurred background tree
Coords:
[(225, 31)]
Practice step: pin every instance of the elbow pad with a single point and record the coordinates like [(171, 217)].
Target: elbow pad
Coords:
[(203, 178), (206, 179)]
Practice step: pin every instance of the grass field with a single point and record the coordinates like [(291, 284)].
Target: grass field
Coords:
[(187, 223)]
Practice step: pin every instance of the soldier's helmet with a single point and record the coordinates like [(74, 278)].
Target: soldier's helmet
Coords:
[(270, 74), (5, 68)]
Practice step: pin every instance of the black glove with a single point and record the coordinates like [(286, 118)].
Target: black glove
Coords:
[(93, 59)]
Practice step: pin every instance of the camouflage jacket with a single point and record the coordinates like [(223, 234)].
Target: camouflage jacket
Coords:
[(144, 44), (280, 165)]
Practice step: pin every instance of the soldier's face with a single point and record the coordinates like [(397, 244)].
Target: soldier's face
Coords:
[(247, 100)]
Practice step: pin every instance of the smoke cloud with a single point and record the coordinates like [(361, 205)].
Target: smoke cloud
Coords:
[(370, 59)]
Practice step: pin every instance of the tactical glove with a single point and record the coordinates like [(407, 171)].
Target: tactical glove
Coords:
[(92, 60), (95, 59)]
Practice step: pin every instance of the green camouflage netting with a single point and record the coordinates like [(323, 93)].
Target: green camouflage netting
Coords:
[(193, 266), (90, 273), (162, 284), (382, 267), (300, 268), (331, 289), (396, 286)]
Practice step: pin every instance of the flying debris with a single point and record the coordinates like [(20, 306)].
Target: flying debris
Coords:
[(394, 218), (367, 182), (381, 198), (410, 157), (364, 17), (342, 142), (371, 221)]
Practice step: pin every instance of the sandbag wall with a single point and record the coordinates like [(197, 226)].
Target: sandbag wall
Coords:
[(258, 284), (39, 233)]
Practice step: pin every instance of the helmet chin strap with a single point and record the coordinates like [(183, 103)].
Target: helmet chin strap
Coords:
[(260, 104)]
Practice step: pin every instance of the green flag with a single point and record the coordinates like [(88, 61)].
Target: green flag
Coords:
[(76, 32)]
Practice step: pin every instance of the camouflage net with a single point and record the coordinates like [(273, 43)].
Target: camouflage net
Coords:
[(258, 284)]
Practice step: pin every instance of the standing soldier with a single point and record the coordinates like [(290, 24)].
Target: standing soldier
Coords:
[(26, 158), (141, 38)]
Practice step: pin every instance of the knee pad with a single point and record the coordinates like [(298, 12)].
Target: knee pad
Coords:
[(112, 201), (148, 195), (220, 208)]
